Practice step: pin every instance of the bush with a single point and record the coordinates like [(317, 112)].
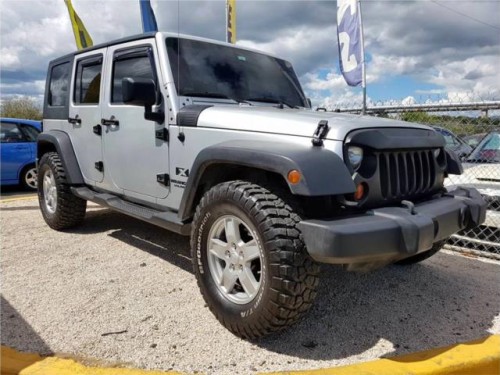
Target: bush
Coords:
[(26, 108)]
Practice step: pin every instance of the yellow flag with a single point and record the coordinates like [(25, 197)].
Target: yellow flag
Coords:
[(231, 21), (82, 37)]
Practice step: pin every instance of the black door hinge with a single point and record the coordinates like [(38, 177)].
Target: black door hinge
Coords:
[(163, 178), (320, 133), (97, 129), (162, 134), (99, 165)]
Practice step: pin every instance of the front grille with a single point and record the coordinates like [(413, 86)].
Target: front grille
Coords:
[(406, 173)]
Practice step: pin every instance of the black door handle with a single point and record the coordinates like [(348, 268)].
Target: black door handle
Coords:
[(111, 121), (75, 120)]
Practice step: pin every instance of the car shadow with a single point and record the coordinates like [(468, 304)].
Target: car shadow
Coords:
[(405, 309), (156, 241), (14, 191), (17, 333)]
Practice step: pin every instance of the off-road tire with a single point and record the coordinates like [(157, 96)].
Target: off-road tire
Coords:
[(23, 178), (70, 210), (290, 278), (422, 256)]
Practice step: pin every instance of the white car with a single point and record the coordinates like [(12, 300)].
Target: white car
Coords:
[(482, 171)]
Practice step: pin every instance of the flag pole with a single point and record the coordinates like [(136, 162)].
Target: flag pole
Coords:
[(363, 63), (227, 17)]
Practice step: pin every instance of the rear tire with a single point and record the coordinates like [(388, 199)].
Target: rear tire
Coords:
[(271, 254), (422, 256), (28, 178), (60, 208)]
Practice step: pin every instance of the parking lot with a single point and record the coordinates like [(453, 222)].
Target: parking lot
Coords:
[(122, 292)]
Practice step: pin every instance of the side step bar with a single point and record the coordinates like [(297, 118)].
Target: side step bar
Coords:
[(164, 219)]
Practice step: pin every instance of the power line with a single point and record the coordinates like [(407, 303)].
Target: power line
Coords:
[(465, 15)]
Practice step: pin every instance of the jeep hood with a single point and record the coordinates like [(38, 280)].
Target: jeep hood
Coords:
[(297, 122)]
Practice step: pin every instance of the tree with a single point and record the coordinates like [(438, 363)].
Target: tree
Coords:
[(24, 107)]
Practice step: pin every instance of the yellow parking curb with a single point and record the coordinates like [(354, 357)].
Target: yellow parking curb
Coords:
[(481, 357), (13, 362), (475, 357), (23, 198), (59, 366), (17, 363)]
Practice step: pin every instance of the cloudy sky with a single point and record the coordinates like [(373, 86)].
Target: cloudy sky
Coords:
[(416, 50)]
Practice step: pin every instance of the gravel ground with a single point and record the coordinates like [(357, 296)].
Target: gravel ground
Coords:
[(122, 291)]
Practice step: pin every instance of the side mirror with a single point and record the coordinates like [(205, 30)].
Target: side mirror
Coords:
[(142, 92), (138, 91), (309, 102)]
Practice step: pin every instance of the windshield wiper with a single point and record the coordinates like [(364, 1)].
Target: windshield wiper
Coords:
[(215, 95), (271, 100)]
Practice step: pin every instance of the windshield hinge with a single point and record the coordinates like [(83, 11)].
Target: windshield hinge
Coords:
[(320, 133), (162, 134)]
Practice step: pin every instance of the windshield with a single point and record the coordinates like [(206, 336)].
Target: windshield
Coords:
[(488, 150), (217, 71)]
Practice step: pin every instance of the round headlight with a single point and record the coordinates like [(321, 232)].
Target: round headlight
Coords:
[(355, 155), (437, 151)]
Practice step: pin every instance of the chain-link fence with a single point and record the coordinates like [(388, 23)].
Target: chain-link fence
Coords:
[(472, 131)]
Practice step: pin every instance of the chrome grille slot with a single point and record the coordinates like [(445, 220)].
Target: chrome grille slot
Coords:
[(406, 173)]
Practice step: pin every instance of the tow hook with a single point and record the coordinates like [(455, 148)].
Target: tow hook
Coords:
[(410, 206)]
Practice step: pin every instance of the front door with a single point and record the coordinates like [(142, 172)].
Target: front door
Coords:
[(85, 113), (16, 151), (135, 156)]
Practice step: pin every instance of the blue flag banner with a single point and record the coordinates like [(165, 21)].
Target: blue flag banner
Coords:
[(349, 34), (147, 16)]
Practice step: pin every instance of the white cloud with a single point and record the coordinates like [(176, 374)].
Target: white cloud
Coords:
[(409, 100)]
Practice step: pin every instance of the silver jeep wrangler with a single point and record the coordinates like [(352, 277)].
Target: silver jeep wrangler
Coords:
[(218, 142)]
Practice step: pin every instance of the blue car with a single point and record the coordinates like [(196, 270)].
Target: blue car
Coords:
[(18, 152)]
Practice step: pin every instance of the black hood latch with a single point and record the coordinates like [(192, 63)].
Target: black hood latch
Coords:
[(320, 133)]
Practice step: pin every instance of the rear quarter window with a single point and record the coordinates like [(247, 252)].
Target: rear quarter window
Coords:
[(58, 86)]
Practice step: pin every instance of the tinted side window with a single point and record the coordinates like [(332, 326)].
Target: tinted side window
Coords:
[(10, 133), (30, 132), (58, 87), (136, 66), (88, 81)]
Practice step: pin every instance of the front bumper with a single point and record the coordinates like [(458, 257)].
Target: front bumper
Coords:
[(393, 233)]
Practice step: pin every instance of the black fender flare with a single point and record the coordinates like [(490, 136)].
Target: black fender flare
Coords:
[(323, 172), (453, 163), (62, 143)]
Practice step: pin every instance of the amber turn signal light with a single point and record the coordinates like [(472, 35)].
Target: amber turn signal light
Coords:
[(360, 191), (294, 177)]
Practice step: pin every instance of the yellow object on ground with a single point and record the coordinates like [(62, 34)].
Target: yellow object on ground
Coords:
[(22, 198), (480, 357), (17, 363), (13, 362), (59, 366)]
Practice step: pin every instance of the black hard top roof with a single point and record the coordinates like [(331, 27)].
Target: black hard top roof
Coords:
[(107, 44)]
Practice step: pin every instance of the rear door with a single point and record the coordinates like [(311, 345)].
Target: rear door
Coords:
[(135, 157), (84, 121)]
